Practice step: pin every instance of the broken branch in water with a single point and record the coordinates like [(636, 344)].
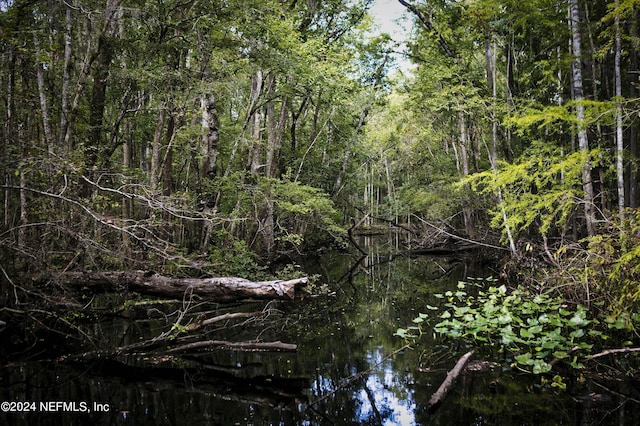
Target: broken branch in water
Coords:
[(445, 387), (243, 346), (613, 352)]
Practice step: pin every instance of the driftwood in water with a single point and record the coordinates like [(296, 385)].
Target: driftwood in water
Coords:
[(224, 289), (613, 352), (447, 384), (243, 346), (440, 251)]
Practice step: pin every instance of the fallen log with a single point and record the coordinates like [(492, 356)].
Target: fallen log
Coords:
[(242, 346), (447, 384), (441, 251), (222, 289)]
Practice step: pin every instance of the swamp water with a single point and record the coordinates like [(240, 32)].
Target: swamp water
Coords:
[(349, 368)]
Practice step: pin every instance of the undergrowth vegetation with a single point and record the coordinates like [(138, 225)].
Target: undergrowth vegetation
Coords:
[(534, 331)]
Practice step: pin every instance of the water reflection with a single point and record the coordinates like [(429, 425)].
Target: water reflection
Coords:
[(383, 398), (379, 293), (344, 372)]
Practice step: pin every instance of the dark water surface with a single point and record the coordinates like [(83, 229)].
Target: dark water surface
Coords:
[(344, 372)]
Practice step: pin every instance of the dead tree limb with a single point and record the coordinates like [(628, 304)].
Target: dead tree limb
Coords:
[(389, 221), (429, 26), (242, 346), (445, 387), (613, 352), (162, 340), (223, 289), (224, 317), (457, 237)]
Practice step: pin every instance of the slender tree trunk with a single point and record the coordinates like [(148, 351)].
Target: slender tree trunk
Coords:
[(275, 133), (103, 53), (127, 203), (256, 125), (155, 149), (210, 137), (295, 115), (44, 105), (491, 58), (98, 102), (24, 219), (464, 159), (583, 141), (619, 133), (269, 224), (167, 163), (390, 195), (80, 88), (66, 80), (377, 79), (253, 121), (633, 130), (9, 131), (593, 64)]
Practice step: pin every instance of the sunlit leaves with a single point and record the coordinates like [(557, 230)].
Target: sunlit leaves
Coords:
[(543, 189)]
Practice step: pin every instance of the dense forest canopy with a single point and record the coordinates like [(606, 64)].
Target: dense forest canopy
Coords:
[(219, 136)]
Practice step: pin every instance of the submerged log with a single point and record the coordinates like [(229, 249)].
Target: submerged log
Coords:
[(222, 289), (243, 346), (447, 384)]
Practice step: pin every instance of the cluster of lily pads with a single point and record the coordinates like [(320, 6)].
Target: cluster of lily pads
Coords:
[(535, 330)]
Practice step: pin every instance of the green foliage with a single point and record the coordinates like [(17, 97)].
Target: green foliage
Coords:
[(555, 118), (538, 330), (304, 215), (611, 267), (232, 257), (543, 189)]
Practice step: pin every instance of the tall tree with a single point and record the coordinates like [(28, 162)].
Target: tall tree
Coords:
[(578, 96)]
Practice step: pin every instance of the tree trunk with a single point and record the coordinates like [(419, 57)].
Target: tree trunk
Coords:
[(104, 54), (224, 289), (633, 131), (210, 137), (275, 132), (44, 105), (9, 130), (154, 171), (583, 141), (66, 79), (295, 115), (167, 163), (256, 122), (98, 100), (464, 159), (619, 133), (491, 55)]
